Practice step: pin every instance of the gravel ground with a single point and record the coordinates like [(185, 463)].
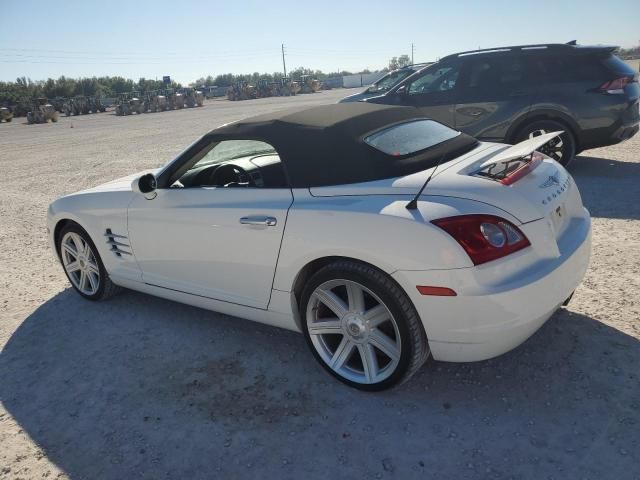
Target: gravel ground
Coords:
[(140, 387)]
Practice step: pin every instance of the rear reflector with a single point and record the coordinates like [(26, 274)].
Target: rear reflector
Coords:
[(437, 291)]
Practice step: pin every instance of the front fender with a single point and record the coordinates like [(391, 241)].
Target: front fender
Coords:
[(96, 212)]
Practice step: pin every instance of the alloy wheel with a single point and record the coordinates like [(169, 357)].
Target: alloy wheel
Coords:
[(80, 263), (353, 331)]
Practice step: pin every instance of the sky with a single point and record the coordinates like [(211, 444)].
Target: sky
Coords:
[(188, 40)]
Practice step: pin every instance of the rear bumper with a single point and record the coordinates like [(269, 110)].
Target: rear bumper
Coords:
[(623, 129), (482, 322), (624, 133)]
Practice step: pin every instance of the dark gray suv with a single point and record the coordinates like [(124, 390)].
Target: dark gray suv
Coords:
[(512, 93)]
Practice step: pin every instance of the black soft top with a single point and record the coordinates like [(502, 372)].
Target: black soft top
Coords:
[(325, 145)]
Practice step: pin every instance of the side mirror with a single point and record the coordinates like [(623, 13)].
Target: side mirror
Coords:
[(145, 184), (402, 90), (372, 89)]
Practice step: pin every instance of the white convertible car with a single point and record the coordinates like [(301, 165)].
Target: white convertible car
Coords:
[(383, 236)]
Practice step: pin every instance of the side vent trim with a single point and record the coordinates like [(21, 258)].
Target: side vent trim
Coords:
[(117, 243)]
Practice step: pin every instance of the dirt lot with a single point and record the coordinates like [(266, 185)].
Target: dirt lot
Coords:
[(140, 387)]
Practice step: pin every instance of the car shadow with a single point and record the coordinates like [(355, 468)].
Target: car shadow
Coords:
[(609, 188), (140, 387)]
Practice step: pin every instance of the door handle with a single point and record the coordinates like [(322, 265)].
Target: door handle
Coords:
[(259, 220)]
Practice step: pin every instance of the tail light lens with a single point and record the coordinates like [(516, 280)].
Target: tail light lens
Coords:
[(615, 86), (484, 237)]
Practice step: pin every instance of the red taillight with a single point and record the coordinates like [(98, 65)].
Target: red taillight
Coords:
[(615, 86), (525, 169), (484, 237)]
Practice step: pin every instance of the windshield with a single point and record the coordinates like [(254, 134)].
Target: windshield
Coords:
[(410, 137), (436, 79), (393, 78)]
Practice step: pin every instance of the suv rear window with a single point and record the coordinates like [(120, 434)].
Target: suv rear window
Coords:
[(568, 68), (410, 137)]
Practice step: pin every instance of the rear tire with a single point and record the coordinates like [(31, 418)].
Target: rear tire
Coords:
[(562, 150), (82, 264), (372, 338)]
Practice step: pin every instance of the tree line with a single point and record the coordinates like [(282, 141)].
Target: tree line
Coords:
[(24, 89), (227, 79), (633, 52)]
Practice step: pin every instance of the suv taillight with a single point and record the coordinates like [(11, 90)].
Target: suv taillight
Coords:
[(616, 86), (484, 237)]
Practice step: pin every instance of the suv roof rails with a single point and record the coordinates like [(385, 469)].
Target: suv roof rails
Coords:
[(538, 46), (569, 46)]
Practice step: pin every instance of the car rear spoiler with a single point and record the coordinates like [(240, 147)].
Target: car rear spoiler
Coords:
[(522, 149)]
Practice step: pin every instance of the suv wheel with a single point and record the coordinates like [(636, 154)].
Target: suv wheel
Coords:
[(361, 326), (562, 149)]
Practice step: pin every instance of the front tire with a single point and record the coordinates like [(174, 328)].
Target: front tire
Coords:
[(562, 149), (361, 326), (82, 264)]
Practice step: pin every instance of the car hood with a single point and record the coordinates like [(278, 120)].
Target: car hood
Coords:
[(119, 184), (528, 199)]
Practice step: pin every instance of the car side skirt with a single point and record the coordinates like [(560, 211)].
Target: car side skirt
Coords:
[(279, 313)]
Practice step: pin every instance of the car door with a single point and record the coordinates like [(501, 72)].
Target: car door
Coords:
[(213, 241), (495, 90), (433, 91)]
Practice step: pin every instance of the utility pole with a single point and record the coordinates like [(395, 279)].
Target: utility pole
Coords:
[(412, 54), (284, 65)]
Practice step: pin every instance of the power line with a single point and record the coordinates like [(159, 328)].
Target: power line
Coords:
[(128, 53)]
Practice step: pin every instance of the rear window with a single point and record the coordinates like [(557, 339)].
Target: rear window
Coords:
[(568, 68), (410, 137)]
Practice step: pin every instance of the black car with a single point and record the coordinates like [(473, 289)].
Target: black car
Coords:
[(385, 83), (511, 93)]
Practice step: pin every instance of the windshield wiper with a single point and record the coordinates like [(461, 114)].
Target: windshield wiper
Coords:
[(413, 204)]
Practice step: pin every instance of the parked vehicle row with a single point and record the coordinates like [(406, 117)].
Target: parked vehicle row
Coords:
[(78, 105), (285, 87), (513, 93), (158, 101), (81, 105)]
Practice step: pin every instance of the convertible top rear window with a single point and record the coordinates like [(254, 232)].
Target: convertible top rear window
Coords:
[(410, 137)]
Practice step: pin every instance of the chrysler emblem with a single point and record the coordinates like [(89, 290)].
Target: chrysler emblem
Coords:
[(550, 182)]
